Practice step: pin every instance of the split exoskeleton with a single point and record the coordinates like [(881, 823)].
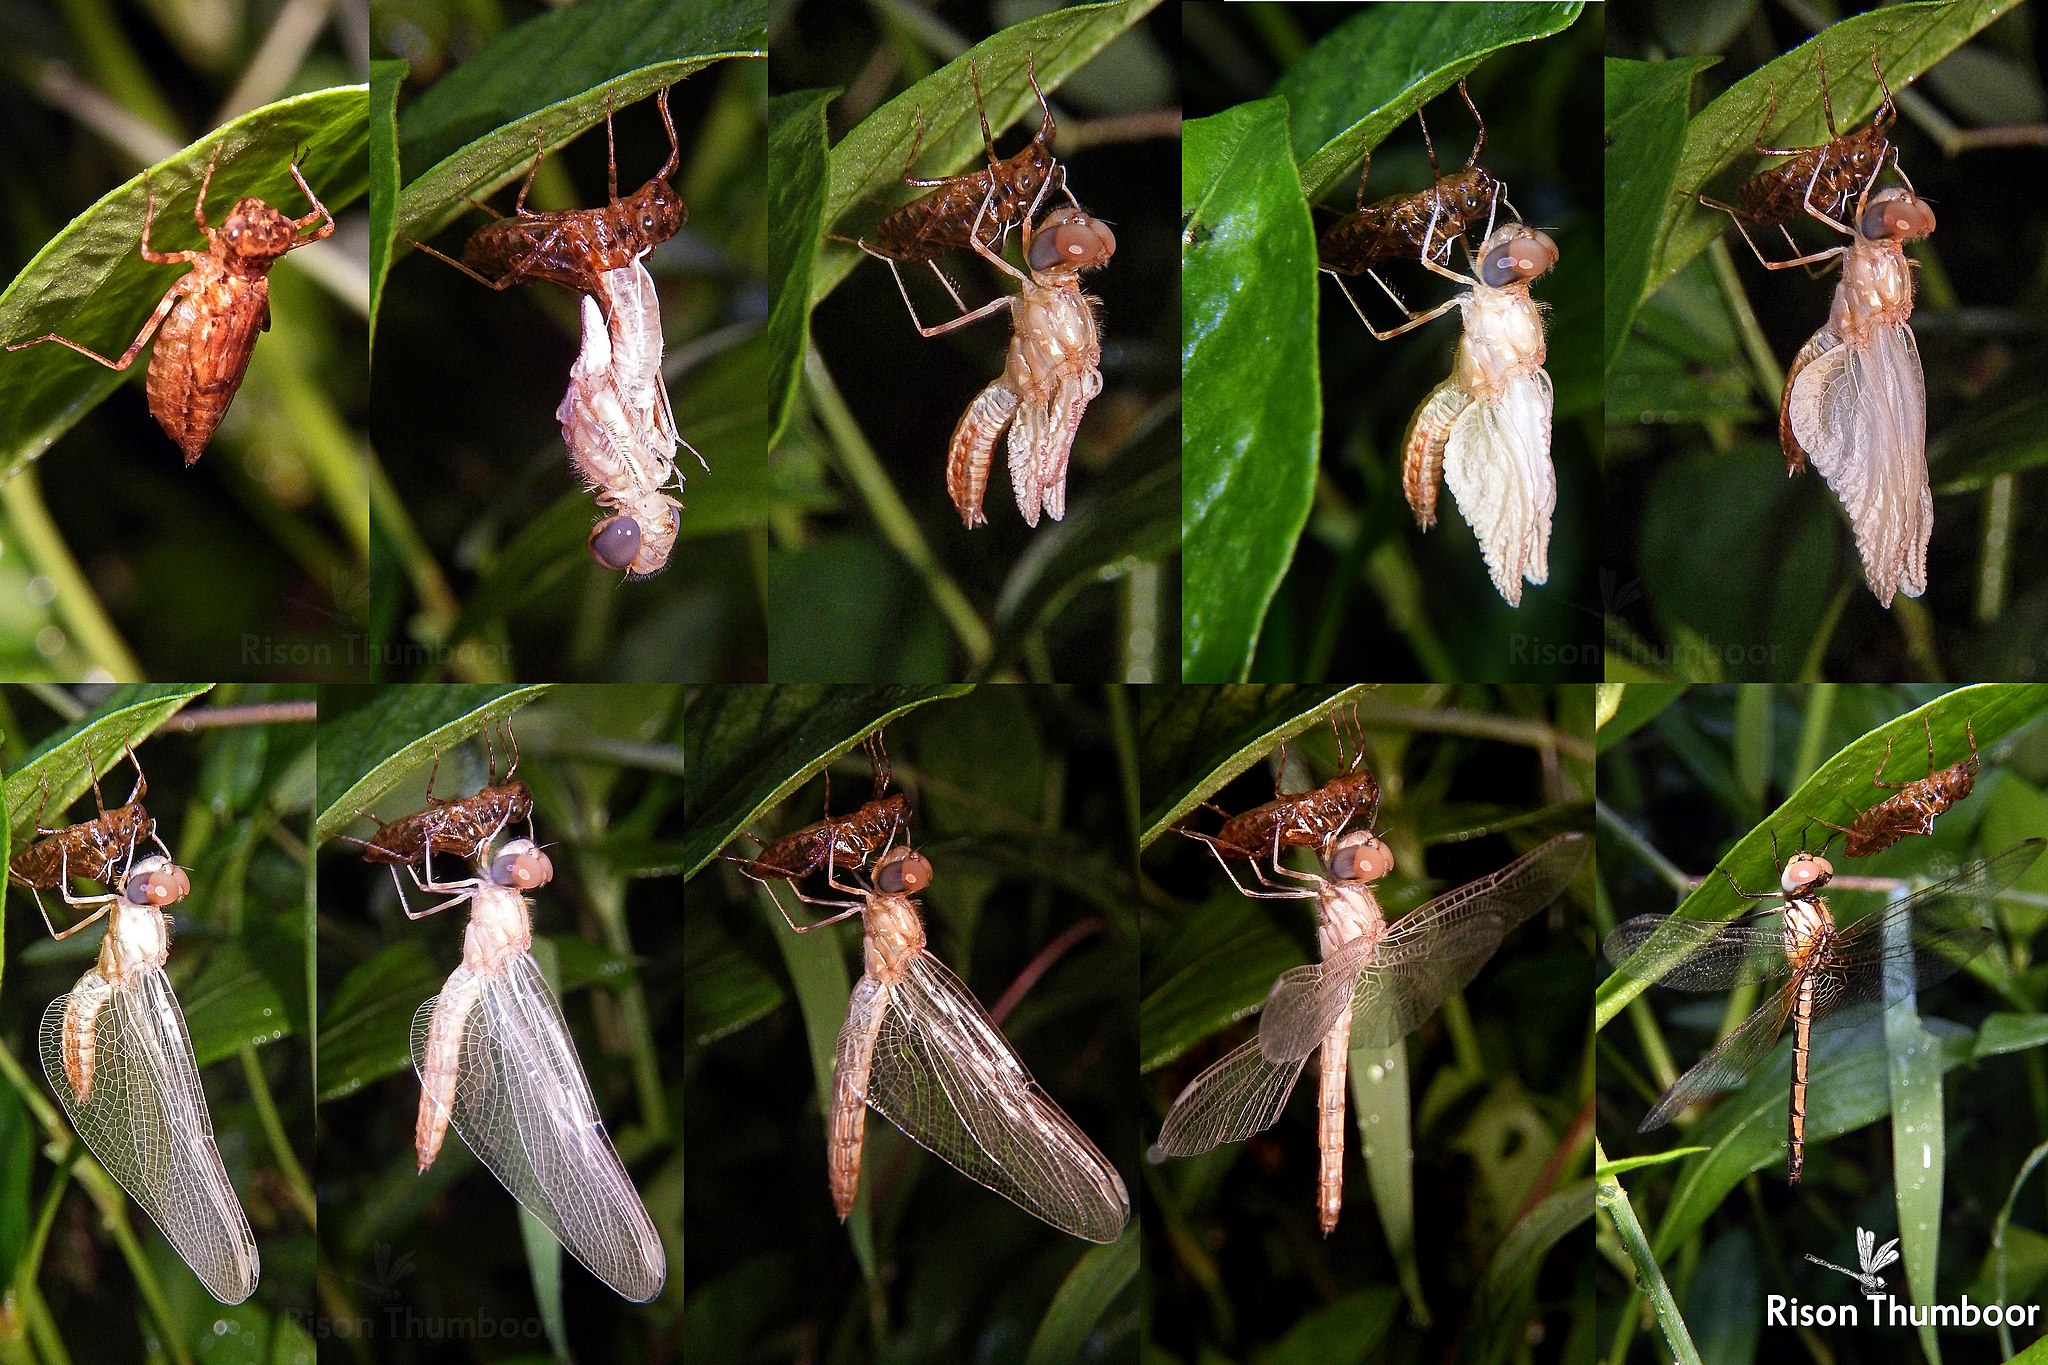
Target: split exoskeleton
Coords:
[(1053, 369), (206, 324), (1485, 431), (1855, 399), (616, 418)]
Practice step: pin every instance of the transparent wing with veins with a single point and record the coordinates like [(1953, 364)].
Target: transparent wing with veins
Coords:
[(1393, 985), (1390, 986), (1910, 945), (944, 1074), (523, 1106), (144, 1117)]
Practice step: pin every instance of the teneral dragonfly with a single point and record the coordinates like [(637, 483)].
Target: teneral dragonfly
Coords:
[(1376, 983), (494, 1058), (1910, 945), (116, 1052), (1053, 372), (918, 1047), (1855, 399), (1486, 430)]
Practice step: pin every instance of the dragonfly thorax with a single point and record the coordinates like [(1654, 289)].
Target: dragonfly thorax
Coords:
[(500, 928), (1349, 911), (895, 935), (1807, 926), (138, 940)]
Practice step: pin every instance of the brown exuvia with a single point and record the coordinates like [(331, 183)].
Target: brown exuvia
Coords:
[(1408, 226), (576, 247), (1916, 804), (210, 317)]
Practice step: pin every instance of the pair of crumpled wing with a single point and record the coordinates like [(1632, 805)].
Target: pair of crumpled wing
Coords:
[(1496, 458), (1860, 414), (1041, 440)]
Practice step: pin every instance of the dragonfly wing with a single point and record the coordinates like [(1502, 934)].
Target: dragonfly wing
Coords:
[(145, 1119), (1306, 1002), (523, 1105), (1699, 954), (1436, 949), (1732, 1059), (945, 1075), (1922, 940), (1240, 1095)]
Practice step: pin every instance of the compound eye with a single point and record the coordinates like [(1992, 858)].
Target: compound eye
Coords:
[(903, 871), (615, 541), (160, 886), (522, 867)]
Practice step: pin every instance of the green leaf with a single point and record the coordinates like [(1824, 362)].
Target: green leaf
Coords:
[(549, 79), (1386, 1139), (1376, 69), (367, 750), (127, 717), (1635, 705), (797, 148), (1907, 38), (246, 994), (749, 748), (90, 285), (1350, 1328), (1992, 710), (724, 990), (385, 80), (1913, 1067), (1194, 740), (1253, 424), (1084, 1298), (868, 162), (1647, 103), (1207, 969), (366, 1027), (2002, 430), (1664, 1158), (1512, 1271)]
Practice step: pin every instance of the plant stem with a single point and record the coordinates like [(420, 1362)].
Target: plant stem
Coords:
[(864, 469), (296, 1185), (249, 713), (43, 547), (1533, 734), (1770, 380)]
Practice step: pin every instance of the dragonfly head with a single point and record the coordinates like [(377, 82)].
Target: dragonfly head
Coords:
[(1805, 872), (522, 866), (157, 881), (1073, 238), (1360, 857), (1515, 254), (902, 871), (1896, 214)]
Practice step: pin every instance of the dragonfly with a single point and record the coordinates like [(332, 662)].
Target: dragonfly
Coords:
[(919, 1048), (1912, 944), (1375, 984), (116, 1053), (495, 1059)]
